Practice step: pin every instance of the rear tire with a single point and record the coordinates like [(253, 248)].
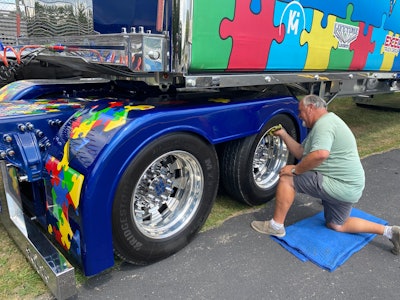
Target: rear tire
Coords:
[(250, 166), (164, 197)]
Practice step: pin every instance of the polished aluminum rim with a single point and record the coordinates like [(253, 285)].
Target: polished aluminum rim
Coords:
[(270, 156), (168, 194)]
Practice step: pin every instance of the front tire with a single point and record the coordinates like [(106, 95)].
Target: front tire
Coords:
[(164, 197), (250, 166)]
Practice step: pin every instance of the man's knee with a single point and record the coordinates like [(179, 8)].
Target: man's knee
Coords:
[(286, 180), (336, 227)]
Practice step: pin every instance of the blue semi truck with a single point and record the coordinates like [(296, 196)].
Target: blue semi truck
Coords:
[(120, 121)]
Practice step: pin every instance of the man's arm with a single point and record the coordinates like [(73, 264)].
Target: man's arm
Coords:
[(311, 161), (294, 147)]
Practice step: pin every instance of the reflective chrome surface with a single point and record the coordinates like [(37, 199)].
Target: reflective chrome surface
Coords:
[(168, 194), (270, 156), (182, 14), (43, 18)]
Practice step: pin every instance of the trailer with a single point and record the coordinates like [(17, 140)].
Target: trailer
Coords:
[(120, 121)]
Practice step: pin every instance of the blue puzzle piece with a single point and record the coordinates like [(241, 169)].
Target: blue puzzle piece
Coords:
[(255, 6), (339, 8), (290, 55), (392, 21), (374, 60), (370, 14)]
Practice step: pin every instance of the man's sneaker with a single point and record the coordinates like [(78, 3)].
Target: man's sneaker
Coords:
[(266, 228), (396, 240)]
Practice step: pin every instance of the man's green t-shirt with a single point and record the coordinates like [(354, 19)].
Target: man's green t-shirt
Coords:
[(343, 174)]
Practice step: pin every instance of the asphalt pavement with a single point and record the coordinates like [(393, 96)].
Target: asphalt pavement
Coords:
[(235, 262)]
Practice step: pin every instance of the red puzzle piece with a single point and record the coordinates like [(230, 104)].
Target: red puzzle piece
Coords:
[(361, 47), (252, 35)]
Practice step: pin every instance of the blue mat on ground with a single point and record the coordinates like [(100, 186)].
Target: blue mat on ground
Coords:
[(310, 239)]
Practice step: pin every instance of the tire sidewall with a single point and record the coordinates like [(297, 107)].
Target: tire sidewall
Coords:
[(251, 191), (129, 242)]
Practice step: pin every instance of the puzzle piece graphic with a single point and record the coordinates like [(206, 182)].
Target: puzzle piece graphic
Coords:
[(338, 8), (390, 51), (209, 51), (74, 182), (396, 64), (66, 185), (320, 42), (290, 55), (345, 31), (255, 6), (375, 59), (252, 35), (362, 46), (370, 14), (392, 21)]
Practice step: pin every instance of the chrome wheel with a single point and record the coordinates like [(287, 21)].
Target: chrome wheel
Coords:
[(167, 194), (271, 154), (250, 166)]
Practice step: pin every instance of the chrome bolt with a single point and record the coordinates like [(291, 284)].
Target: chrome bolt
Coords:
[(29, 126), (7, 138), (39, 133), (22, 127)]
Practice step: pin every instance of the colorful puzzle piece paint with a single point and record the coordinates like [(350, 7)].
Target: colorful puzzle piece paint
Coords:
[(65, 185), (303, 35), (251, 43), (110, 117)]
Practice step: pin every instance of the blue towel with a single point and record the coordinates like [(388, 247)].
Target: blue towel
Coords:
[(310, 239)]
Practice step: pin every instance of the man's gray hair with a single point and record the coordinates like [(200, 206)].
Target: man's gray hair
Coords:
[(315, 100)]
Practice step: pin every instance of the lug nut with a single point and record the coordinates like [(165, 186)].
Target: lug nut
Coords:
[(7, 138), (56, 122), (39, 133), (29, 126), (21, 127)]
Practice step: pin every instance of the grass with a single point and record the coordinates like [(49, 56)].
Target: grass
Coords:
[(376, 131)]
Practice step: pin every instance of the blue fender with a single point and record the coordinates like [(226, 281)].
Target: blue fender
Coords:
[(101, 140)]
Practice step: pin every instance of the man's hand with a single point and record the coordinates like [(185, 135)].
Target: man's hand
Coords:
[(274, 129), (287, 171)]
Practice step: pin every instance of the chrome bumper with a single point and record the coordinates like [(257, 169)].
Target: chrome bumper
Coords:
[(48, 261)]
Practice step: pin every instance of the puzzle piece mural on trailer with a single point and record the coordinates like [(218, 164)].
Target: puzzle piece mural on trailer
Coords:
[(252, 35), (303, 35), (345, 31), (291, 19)]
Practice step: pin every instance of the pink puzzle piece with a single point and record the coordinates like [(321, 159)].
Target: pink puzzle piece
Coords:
[(251, 35), (361, 47)]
